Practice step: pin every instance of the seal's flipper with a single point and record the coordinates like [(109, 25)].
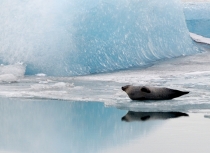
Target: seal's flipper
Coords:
[(145, 89), (144, 118)]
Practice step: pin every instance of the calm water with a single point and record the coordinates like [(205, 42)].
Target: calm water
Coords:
[(54, 126), (91, 114)]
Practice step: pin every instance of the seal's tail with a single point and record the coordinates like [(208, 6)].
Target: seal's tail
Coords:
[(177, 93), (185, 92)]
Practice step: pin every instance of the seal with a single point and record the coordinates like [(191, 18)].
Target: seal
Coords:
[(151, 93), (144, 116)]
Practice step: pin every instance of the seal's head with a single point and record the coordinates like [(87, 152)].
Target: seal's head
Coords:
[(124, 119), (124, 88)]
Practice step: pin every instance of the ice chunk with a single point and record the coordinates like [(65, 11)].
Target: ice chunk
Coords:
[(11, 73)]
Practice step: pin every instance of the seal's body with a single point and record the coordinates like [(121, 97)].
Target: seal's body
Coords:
[(151, 93)]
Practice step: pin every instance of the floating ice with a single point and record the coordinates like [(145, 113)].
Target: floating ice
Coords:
[(41, 74), (197, 10), (54, 86), (11, 73), (199, 38), (197, 16), (68, 38)]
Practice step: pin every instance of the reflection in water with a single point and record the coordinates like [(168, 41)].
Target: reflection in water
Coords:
[(143, 116), (207, 116), (50, 126)]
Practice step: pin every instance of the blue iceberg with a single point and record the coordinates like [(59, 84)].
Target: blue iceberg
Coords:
[(69, 38), (198, 18)]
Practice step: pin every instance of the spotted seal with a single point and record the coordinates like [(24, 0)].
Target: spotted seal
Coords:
[(151, 93)]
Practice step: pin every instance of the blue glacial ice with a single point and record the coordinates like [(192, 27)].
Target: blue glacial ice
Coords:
[(69, 38), (198, 17)]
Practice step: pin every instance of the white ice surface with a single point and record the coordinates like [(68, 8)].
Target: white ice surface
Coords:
[(190, 73), (199, 38), (11, 73)]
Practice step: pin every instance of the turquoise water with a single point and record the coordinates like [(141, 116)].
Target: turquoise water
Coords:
[(29, 126)]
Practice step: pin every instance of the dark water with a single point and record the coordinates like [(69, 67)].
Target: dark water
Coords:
[(54, 126)]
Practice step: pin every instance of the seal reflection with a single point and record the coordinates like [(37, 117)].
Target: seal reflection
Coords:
[(144, 116)]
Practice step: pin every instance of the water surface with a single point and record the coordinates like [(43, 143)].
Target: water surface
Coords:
[(29, 126)]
